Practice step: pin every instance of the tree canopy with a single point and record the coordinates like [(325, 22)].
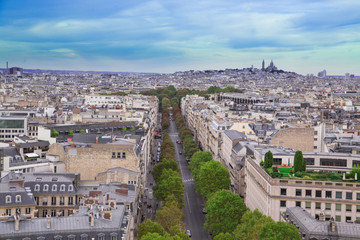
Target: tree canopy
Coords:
[(170, 184), (224, 211), (163, 165), (212, 178), (299, 163), (169, 215), (197, 160), (279, 230), (149, 227), (269, 160)]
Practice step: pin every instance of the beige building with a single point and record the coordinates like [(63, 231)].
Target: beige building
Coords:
[(273, 196)]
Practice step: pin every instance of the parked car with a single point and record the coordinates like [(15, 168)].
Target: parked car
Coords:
[(180, 153), (203, 211), (188, 233), (178, 141)]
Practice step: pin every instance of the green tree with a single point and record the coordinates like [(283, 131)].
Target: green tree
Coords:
[(355, 170), (156, 236), (212, 178), (251, 223), (224, 211), (54, 133), (81, 131), (299, 162), (169, 215), (160, 167), (170, 185), (166, 103), (279, 230), (197, 160), (269, 160), (71, 132), (224, 236), (149, 227), (178, 231)]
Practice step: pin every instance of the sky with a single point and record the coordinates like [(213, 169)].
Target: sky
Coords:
[(304, 36)]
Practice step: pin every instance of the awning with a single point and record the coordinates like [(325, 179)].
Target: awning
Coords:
[(31, 155)]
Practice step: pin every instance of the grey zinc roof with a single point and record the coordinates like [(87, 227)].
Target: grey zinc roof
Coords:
[(73, 224), (7, 189), (237, 147), (34, 144), (310, 225), (233, 134)]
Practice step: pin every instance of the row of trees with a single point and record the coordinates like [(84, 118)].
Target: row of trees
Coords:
[(169, 190)]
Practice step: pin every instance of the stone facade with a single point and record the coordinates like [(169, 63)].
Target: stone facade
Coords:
[(296, 138)]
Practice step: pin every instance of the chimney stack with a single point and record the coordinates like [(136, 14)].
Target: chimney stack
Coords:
[(332, 224), (91, 219), (97, 139), (17, 222), (48, 221)]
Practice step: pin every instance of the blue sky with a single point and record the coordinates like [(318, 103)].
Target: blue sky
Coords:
[(305, 36)]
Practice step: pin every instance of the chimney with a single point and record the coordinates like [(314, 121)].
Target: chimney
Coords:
[(107, 196), (332, 224), (103, 199), (322, 217), (113, 138), (112, 203), (107, 214), (48, 221), (91, 219), (76, 180), (17, 222), (97, 139)]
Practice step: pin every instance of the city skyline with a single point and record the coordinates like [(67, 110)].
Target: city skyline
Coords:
[(168, 36)]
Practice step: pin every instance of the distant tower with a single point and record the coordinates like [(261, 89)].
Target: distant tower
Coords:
[(263, 65), (271, 64), (7, 65)]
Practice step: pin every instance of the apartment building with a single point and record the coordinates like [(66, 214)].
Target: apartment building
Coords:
[(15, 199), (272, 197)]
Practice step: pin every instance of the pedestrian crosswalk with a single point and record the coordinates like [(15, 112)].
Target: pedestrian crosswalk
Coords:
[(188, 180)]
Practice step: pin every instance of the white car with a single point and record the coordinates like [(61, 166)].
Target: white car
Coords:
[(188, 233)]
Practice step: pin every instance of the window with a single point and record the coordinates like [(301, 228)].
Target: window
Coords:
[(349, 195), (348, 208), (298, 192), (348, 219), (70, 201), (8, 212), (357, 196), (338, 207), (328, 194), (358, 208), (46, 187), (53, 213), (62, 187), (101, 236), (338, 218), (71, 188), (298, 204), (339, 195), (308, 193), (62, 202), (327, 217), (124, 155), (308, 205), (71, 237), (44, 213), (27, 210), (318, 205), (8, 199), (283, 191), (327, 206), (54, 187), (118, 155), (315, 147), (37, 187), (315, 132), (318, 193), (84, 237), (58, 237), (282, 203), (113, 155), (53, 200), (113, 236), (36, 200)]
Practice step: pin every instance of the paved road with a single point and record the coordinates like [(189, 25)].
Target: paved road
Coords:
[(194, 218)]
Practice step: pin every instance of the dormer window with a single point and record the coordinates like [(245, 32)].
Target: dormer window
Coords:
[(8, 199), (54, 187), (18, 198), (71, 188), (37, 187), (46, 187), (62, 187)]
